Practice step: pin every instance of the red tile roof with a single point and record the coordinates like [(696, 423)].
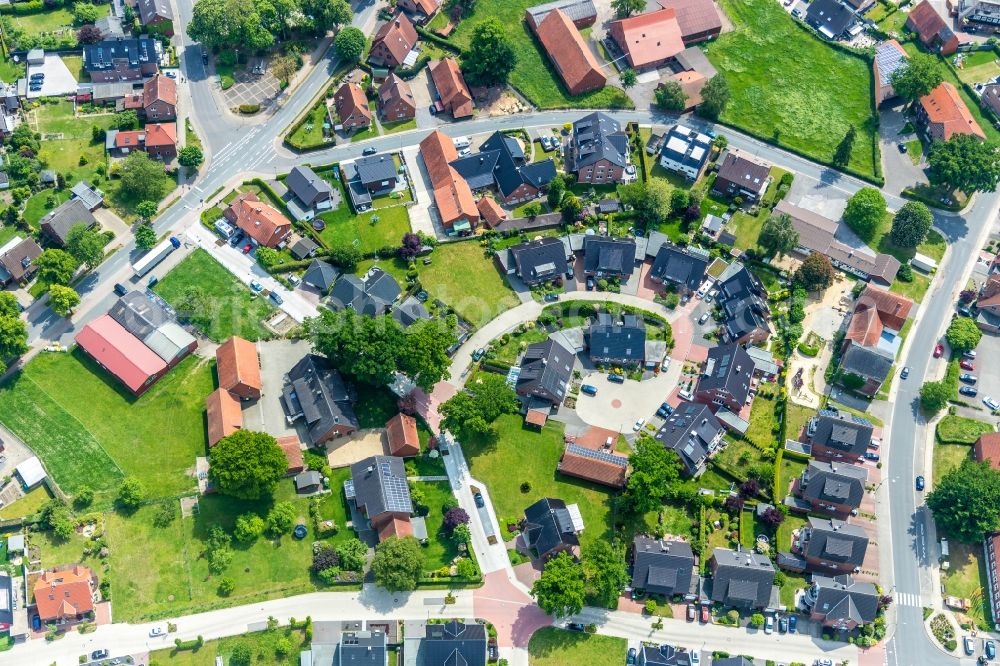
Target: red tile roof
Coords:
[(224, 415), (159, 89), (450, 84), (691, 83), (452, 194), (988, 448), (396, 526), (350, 100), (591, 469), (490, 211), (536, 417), (120, 353), (875, 310), (263, 223), (64, 594), (931, 28), (947, 114), (570, 55), (401, 431), (292, 447), (695, 18), (238, 367), (161, 134), (398, 36), (648, 39)]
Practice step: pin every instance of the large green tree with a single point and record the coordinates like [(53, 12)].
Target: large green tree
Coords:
[(714, 97), (13, 339), (815, 273), (8, 305), (191, 157), (471, 413), (963, 334), (670, 96), (605, 570), (557, 188), (935, 395), (229, 24), (625, 8), (328, 14), (964, 163), (965, 502), (142, 178), (424, 356), (560, 589), (654, 472), (397, 564), (86, 245), (56, 266), (349, 44), (145, 236), (778, 235), (865, 211), (490, 57), (62, 299), (247, 464), (911, 224), (921, 74)]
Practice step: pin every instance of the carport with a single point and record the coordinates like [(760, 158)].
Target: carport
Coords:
[(59, 81)]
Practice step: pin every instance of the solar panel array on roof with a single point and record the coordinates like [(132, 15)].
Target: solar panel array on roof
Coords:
[(601, 455), (889, 59), (397, 494)]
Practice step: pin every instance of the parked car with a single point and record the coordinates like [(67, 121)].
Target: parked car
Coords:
[(478, 354), (276, 297), (370, 150), (969, 391), (901, 146), (769, 624), (969, 354), (938, 350), (294, 280), (589, 389), (575, 626), (551, 297), (964, 311), (990, 648), (969, 645), (630, 658), (920, 482), (691, 613), (792, 621), (905, 373), (99, 654), (480, 502), (617, 379), (991, 403), (156, 631), (247, 248), (590, 283), (256, 286), (783, 625), (664, 411), (871, 455), (705, 617), (120, 289), (968, 378), (702, 319), (695, 657), (966, 364), (637, 426)]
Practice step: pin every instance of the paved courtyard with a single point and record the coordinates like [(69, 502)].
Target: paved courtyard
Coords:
[(618, 406), (347, 451), (267, 414)]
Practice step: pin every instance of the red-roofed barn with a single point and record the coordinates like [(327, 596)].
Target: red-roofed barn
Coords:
[(121, 354)]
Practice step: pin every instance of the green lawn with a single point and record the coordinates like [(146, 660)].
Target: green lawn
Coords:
[(264, 646), (56, 552), (461, 276), (401, 126), (948, 457), (508, 353), (8, 231), (550, 646), (75, 66), (51, 20), (63, 154), (789, 86), (27, 505), (797, 417), (310, 133), (440, 549), (89, 430), (235, 309), (961, 430), (790, 470), (763, 419), (534, 75), (343, 227), (783, 538), (41, 203), (979, 66), (966, 578), (915, 149), (10, 71)]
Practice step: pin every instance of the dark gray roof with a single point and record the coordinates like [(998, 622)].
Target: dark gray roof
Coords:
[(370, 295), (102, 55), (870, 362), (741, 578), (380, 486), (375, 169), (138, 314), (687, 147), (410, 312), (546, 368), (840, 430), (688, 432), (540, 260), (841, 598), (834, 483), (836, 541), (662, 566), (611, 339), (501, 162), (307, 186), (362, 647), (732, 661), (598, 136), (453, 644), (736, 167), (575, 10), (615, 256), (664, 655), (89, 194), (677, 265), (58, 222), (320, 275), (548, 526), (303, 248), (308, 479), (743, 300), (316, 391), (829, 14), (728, 369)]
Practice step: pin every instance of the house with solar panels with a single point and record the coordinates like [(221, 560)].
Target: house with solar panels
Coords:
[(685, 151), (889, 57), (379, 492), (692, 432), (551, 527), (601, 466)]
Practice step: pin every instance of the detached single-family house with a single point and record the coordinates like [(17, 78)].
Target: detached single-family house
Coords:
[(370, 295), (692, 432), (942, 114), (551, 527), (420, 10), (682, 267), (393, 42), (685, 151), (159, 99), (832, 545), (395, 100), (308, 193), (606, 257), (452, 195), (320, 275), (546, 371), (502, 164), (741, 175), (840, 602), (832, 487), (663, 566), (264, 224), (65, 594), (156, 13), (379, 489), (837, 435), (830, 18), (453, 93), (316, 393), (17, 260), (158, 140), (351, 106), (535, 261), (742, 579)]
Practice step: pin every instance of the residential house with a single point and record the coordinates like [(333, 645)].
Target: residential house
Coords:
[(303, 248), (829, 544), (125, 59), (110, 27), (571, 56), (351, 106), (617, 342), (546, 371), (598, 150), (889, 57), (663, 566), (991, 560), (665, 655), (158, 100), (502, 164), (840, 602), (379, 490), (360, 648), (595, 465), (536, 261), (264, 224), (92, 197), (742, 579), (401, 436), (490, 211), (155, 326), (238, 367), (420, 10), (453, 642), (743, 300), (860, 6), (832, 487), (370, 295), (13, 614), (932, 30), (990, 96), (393, 42), (682, 267), (320, 275), (223, 415), (830, 18), (685, 151), (582, 13), (395, 100), (698, 19), (315, 393), (65, 594), (121, 353), (692, 432), (376, 173), (648, 40), (819, 234), (741, 175), (872, 339), (726, 379), (606, 257), (988, 305), (837, 435), (158, 140), (409, 312), (452, 91), (552, 527), (17, 260), (156, 13), (452, 196), (942, 114), (308, 193), (871, 364)]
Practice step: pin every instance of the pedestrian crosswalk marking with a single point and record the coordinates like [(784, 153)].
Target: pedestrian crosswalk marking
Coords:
[(908, 599)]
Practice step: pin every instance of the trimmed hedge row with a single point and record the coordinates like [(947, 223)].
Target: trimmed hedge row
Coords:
[(439, 40)]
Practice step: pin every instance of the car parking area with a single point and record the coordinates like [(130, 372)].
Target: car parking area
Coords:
[(57, 81), (267, 414), (618, 406), (988, 384)]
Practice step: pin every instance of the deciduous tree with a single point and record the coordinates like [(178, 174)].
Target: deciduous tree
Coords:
[(280, 519), (145, 236), (248, 527), (190, 157), (965, 502), (86, 245), (490, 58), (911, 224), (235, 24), (605, 571), (56, 266), (920, 74), (146, 210), (131, 494), (62, 299), (472, 412), (560, 589), (142, 178), (88, 34), (424, 353), (935, 395), (654, 471), (963, 334), (84, 12), (352, 554), (628, 78), (349, 44), (397, 564), (328, 14), (454, 517), (247, 464), (670, 96), (625, 8), (778, 235), (964, 163), (865, 211), (714, 97), (410, 246), (816, 272), (557, 188)]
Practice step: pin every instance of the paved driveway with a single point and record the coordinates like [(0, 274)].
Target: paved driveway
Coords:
[(618, 406), (58, 79), (421, 218), (267, 414), (252, 88), (900, 171)]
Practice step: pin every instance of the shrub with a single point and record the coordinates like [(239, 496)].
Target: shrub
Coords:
[(226, 586), (249, 109)]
